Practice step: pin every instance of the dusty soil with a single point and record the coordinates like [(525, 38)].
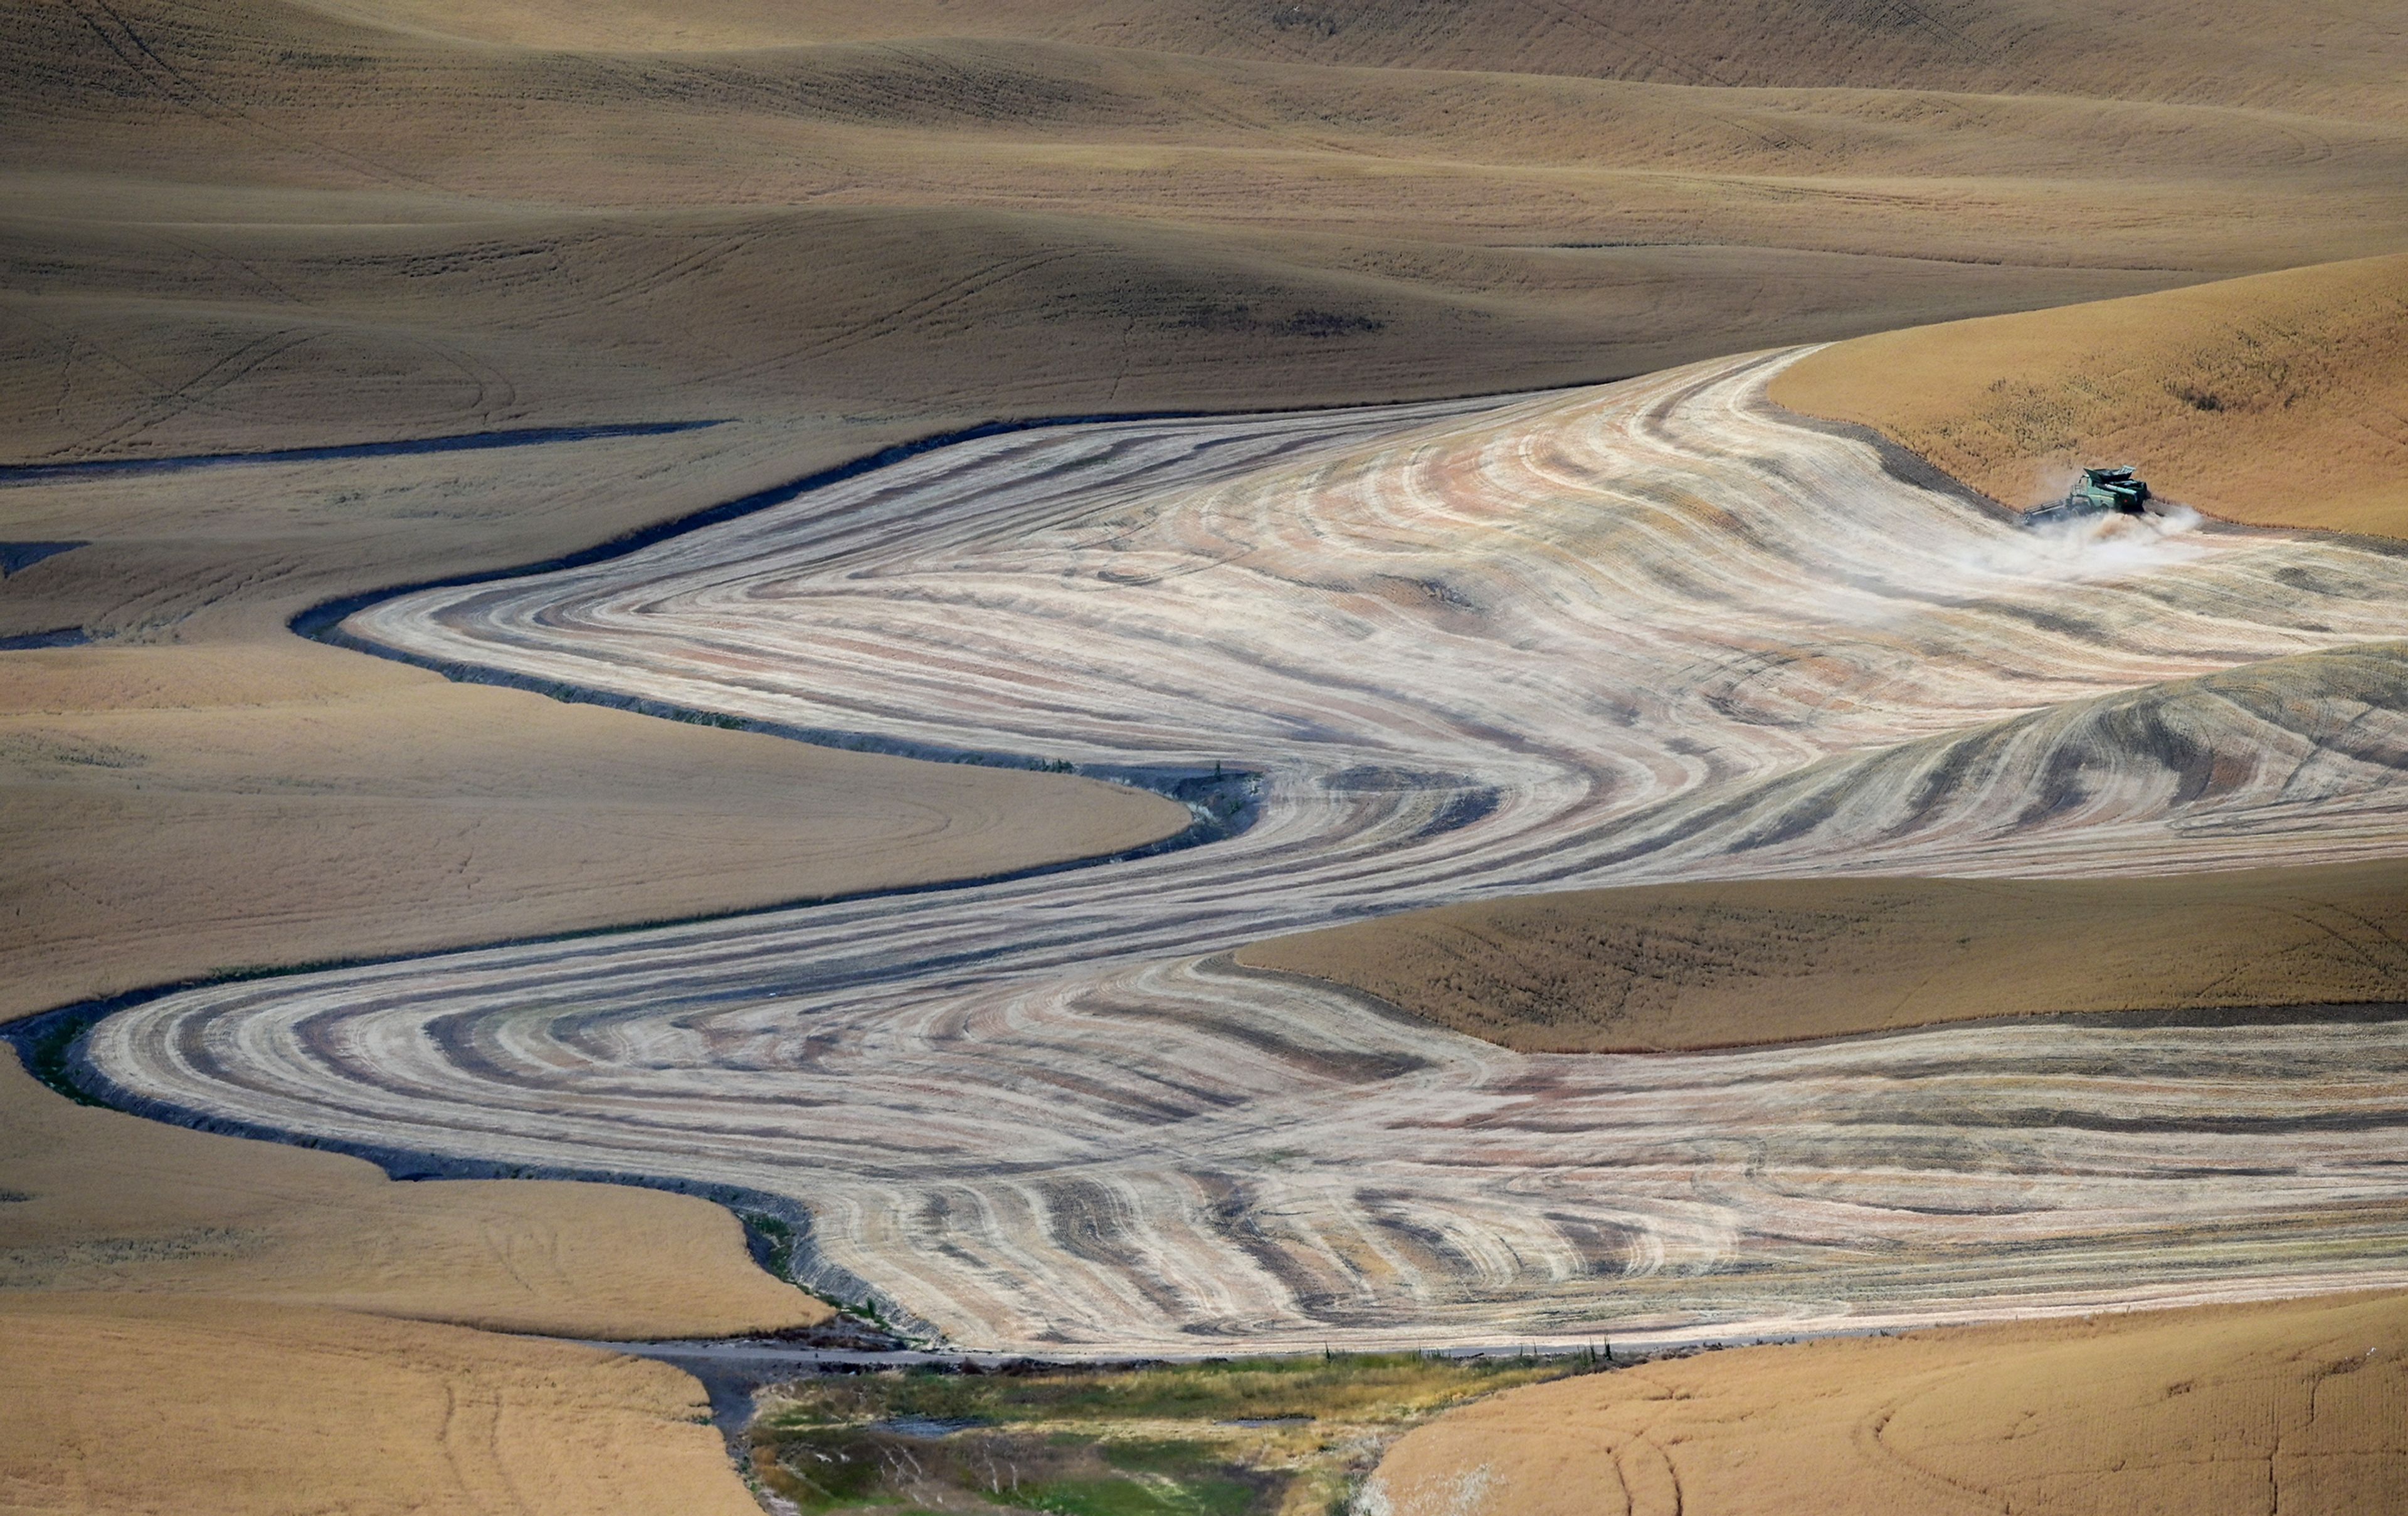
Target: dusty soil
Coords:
[(1685, 967), (2295, 1407), (2280, 400), (123, 1404)]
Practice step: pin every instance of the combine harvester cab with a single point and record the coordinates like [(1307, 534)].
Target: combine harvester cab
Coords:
[(2100, 490)]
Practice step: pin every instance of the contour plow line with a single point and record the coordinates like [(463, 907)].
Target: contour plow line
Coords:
[(1657, 629)]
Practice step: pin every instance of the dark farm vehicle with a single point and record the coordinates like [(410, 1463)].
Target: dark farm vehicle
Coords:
[(2101, 491)]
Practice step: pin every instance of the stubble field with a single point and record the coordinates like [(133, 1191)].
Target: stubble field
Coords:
[(239, 224)]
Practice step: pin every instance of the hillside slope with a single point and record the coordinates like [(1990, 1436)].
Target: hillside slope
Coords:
[(2316, 53), (2280, 400), (237, 224), (207, 1407)]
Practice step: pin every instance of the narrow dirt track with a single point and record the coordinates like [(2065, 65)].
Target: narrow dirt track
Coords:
[(1651, 631)]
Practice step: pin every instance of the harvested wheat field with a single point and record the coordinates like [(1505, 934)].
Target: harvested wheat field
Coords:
[(1688, 966), (2281, 400), (301, 300), (1651, 632), (117, 1404), (243, 224), (2300, 1407)]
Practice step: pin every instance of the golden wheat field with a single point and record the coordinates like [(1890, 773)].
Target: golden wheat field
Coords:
[(100, 1200), (306, 299)]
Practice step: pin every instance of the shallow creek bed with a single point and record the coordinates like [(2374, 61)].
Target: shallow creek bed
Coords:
[(1245, 1436)]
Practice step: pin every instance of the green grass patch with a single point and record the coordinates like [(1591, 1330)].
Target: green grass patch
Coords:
[(1256, 1436)]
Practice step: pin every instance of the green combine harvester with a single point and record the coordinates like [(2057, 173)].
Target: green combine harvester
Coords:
[(2101, 491)]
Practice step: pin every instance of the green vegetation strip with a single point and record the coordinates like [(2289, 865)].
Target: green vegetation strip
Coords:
[(1262, 1437)]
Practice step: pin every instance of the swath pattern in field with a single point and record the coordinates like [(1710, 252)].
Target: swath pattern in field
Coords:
[(1651, 631)]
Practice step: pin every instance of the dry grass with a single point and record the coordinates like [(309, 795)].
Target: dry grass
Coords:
[(2280, 400), (2300, 1407), (111, 1404), (1690, 967)]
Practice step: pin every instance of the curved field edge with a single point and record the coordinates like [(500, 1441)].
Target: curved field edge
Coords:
[(1219, 803), (776, 1230), (102, 1200), (1692, 967), (1207, 1035), (326, 622)]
